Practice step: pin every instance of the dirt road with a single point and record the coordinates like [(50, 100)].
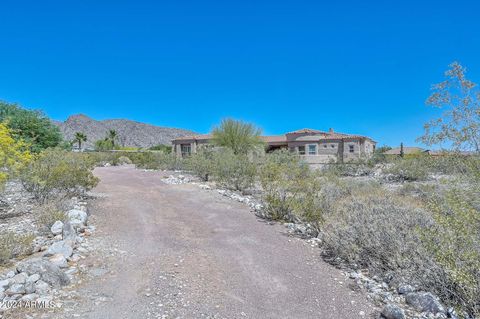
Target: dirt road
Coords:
[(177, 251)]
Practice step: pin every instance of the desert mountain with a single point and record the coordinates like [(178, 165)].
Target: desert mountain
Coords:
[(130, 133)]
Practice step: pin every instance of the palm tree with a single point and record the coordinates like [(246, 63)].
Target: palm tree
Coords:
[(239, 136), (79, 138), (112, 135)]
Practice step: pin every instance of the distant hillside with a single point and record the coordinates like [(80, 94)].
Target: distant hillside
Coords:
[(130, 133)]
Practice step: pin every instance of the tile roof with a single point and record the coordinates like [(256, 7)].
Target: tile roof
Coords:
[(194, 137), (306, 131)]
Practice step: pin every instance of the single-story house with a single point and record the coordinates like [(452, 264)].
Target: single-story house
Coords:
[(315, 147)]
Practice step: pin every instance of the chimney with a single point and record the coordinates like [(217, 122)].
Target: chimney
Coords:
[(330, 131)]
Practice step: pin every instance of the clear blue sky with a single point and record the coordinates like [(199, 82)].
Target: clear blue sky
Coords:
[(361, 67)]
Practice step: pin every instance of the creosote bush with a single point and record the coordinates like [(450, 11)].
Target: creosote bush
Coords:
[(234, 171), (57, 173), (14, 245), (48, 214)]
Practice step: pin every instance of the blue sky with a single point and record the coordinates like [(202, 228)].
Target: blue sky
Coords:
[(361, 67)]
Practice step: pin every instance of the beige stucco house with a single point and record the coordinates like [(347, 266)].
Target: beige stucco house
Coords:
[(314, 146)]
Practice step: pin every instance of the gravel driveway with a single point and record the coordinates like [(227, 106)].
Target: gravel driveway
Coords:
[(178, 251)]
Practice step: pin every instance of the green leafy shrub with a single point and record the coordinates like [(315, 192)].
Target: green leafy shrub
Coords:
[(409, 169), (161, 147), (290, 188), (32, 127), (201, 163), (14, 245), (157, 160), (57, 173), (233, 171), (122, 160)]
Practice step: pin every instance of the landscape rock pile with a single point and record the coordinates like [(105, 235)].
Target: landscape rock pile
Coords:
[(53, 264)]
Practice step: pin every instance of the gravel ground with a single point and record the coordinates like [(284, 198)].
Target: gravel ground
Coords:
[(178, 251)]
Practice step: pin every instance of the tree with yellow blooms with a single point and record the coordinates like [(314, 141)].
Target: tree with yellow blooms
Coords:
[(14, 155)]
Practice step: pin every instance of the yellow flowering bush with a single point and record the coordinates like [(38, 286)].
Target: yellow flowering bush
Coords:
[(14, 155)]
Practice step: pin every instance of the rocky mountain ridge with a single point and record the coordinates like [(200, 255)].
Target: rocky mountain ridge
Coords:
[(130, 133)]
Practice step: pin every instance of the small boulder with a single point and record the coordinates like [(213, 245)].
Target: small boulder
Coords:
[(57, 228), (16, 289), (20, 278), (69, 233), (59, 260), (48, 272), (77, 217), (29, 287), (424, 302), (405, 289), (4, 283), (33, 278), (60, 247), (391, 311)]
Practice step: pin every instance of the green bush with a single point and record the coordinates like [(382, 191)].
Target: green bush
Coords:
[(409, 169), (32, 127), (161, 147), (455, 243), (232, 171), (14, 245), (157, 160), (57, 173), (290, 189), (201, 163)]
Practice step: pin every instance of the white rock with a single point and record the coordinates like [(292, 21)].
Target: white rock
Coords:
[(29, 297), (4, 283), (60, 247), (10, 274), (57, 228), (33, 278), (59, 260), (21, 278), (77, 217), (16, 289)]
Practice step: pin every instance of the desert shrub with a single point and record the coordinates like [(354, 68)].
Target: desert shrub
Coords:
[(122, 160), (157, 160), (14, 245), (290, 188), (48, 214), (411, 169), (201, 163), (234, 171), (104, 145), (358, 167), (161, 147), (455, 243), (375, 231), (58, 173)]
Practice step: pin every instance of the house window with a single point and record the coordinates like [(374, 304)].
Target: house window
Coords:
[(351, 148), (292, 149), (301, 150), (186, 149), (325, 145), (332, 145), (312, 149)]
